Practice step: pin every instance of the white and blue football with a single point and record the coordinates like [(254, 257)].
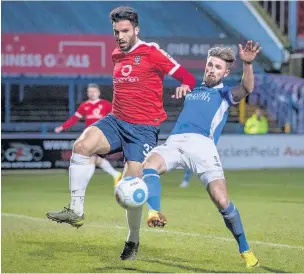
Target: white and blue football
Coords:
[(131, 192)]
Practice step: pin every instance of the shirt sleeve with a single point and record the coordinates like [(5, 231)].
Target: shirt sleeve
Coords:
[(227, 95), (167, 65), (162, 60), (70, 122), (75, 118)]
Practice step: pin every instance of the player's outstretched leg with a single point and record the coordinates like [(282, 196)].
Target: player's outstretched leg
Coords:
[(105, 165), (81, 170), (187, 176), (218, 192), (130, 249), (152, 167)]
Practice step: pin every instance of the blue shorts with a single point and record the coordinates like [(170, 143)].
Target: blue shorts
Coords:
[(135, 140)]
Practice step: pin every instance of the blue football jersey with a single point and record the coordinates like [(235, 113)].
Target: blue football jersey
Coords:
[(205, 111)]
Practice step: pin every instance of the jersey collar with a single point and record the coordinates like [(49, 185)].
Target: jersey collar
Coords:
[(139, 42), (221, 85), (94, 102)]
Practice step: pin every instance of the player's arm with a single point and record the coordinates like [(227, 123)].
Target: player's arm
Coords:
[(72, 120), (187, 80), (168, 66), (247, 55)]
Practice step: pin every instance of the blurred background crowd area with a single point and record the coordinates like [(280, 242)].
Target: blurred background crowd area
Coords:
[(51, 50)]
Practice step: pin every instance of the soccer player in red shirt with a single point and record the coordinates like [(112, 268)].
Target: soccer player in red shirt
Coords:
[(93, 110), (133, 125)]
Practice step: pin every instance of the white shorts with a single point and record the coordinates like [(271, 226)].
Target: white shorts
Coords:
[(193, 151)]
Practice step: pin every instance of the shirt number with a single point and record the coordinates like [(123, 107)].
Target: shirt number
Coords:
[(147, 149)]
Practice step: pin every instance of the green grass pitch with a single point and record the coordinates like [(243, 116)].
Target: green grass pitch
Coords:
[(271, 203)]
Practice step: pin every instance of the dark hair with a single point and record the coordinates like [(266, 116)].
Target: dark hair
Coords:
[(124, 13), (93, 85)]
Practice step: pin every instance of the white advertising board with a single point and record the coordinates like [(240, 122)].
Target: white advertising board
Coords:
[(261, 151)]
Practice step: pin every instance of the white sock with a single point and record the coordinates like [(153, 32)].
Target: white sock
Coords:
[(107, 167), (80, 173), (77, 204), (134, 220)]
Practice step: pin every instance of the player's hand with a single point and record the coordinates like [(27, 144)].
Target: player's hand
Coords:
[(181, 91), (250, 52), (58, 129)]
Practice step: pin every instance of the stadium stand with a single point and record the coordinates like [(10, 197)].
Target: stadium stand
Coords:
[(69, 17), (282, 97), (92, 18)]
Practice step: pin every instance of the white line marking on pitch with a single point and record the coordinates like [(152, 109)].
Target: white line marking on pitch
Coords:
[(180, 233)]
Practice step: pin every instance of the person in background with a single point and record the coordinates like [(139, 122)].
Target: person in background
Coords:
[(257, 123), (187, 176), (92, 111)]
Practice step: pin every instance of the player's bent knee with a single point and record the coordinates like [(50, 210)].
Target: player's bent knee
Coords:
[(91, 141), (93, 159), (82, 147), (98, 160), (222, 202), (155, 161), (217, 189), (220, 199)]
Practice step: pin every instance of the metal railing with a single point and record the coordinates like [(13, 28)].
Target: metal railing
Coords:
[(278, 11), (286, 17)]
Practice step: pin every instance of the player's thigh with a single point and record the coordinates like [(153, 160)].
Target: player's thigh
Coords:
[(217, 190), (138, 141), (91, 141), (203, 156), (164, 157), (205, 159), (132, 168), (155, 161)]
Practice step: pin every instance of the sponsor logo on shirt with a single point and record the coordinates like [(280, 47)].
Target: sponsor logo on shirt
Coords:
[(125, 71), (204, 96), (95, 114)]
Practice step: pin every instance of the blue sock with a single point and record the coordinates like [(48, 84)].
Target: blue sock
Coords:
[(151, 178), (233, 222), (187, 175)]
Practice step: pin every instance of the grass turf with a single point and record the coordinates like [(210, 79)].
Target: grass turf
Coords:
[(271, 203)]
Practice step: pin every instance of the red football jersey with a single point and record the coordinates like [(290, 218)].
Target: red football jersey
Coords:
[(138, 83), (93, 111)]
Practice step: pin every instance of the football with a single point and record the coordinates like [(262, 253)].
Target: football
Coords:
[(131, 192)]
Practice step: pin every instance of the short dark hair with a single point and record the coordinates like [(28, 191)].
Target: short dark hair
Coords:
[(93, 85), (124, 13)]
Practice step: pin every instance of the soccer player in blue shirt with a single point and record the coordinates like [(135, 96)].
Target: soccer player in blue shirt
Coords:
[(192, 142)]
